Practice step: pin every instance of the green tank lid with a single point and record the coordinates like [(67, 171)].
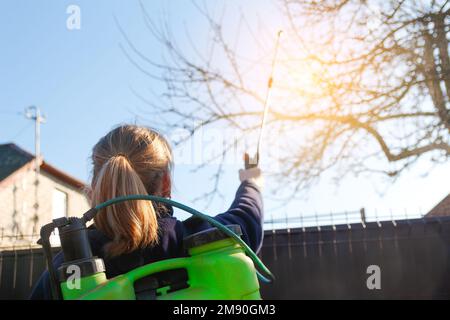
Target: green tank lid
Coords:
[(208, 236)]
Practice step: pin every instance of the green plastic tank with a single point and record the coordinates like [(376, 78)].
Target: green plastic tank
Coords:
[(216, 268)]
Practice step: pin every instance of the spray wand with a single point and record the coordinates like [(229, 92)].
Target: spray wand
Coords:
[(252, 162)]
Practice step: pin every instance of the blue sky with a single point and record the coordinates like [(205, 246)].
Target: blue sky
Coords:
[(82, 82)]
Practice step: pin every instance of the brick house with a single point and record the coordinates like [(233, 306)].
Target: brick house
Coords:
[(59, 194), (441, 209)]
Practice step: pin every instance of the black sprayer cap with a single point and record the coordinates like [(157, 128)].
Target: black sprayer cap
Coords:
[(74, 240)]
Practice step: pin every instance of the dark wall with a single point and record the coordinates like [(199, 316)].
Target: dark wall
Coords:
[(19, 269), (414, 258)]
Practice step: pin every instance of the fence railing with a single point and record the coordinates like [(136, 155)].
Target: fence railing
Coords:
[(361, 216), (9, 241), (302, 220)]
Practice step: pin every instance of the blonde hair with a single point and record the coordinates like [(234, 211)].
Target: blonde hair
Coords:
[(129, 160)]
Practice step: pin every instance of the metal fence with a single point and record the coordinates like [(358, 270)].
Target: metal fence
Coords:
[(331, 218), (331, 262), (321, 262)]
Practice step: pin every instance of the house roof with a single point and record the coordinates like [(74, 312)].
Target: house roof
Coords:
[(13, 158), (441, 209)]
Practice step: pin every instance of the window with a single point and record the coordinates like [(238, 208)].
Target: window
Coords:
[(59, 204)]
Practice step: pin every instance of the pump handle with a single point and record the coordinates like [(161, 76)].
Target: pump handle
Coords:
[(44, 241)]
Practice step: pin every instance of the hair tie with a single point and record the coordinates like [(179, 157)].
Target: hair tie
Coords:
[(120, 154)]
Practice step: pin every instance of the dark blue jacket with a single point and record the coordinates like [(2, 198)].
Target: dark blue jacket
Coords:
[(246, 211)]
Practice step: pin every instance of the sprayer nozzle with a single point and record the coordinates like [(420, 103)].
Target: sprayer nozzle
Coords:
[(89, 215)]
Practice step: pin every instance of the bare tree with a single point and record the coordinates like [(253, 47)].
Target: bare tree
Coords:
[(360, 86)]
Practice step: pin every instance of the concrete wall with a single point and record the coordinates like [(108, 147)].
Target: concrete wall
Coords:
[(17, 199)]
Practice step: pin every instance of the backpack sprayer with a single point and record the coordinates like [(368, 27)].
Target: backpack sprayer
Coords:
[(220, 264)]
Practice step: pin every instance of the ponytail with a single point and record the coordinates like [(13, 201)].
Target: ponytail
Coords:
[(131, 224)]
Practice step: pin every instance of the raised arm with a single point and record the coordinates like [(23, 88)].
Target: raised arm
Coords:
[(246, 210)]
